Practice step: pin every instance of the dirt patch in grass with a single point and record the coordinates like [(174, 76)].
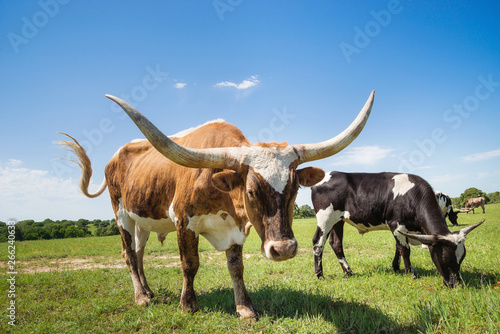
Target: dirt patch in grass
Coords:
[(44, 265)]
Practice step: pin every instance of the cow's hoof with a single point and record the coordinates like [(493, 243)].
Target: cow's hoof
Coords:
[(246, 312), (142, 300), (189, 307), (320, 276)]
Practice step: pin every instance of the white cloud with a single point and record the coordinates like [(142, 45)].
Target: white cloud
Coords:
[(180, 85), (482, 156), (361, 155), (36, 194), (245, 84)]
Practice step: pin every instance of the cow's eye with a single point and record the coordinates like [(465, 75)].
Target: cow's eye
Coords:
[(250, 193)]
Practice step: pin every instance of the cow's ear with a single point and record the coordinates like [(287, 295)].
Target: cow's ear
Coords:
[(309, 176), (227, 180)]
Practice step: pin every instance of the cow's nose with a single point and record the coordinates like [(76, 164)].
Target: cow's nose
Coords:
[(453, 281), (281, 250)]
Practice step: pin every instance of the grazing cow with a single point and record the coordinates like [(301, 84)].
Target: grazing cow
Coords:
[(473, 203), (210, 181), (444, 202), (402, 203)]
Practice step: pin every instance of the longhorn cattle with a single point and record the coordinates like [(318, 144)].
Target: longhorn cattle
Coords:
[(473, 203), (404, 204), (211, 181), (444, 202)]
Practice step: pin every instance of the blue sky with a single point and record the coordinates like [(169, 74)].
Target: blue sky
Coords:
[(285, 71)]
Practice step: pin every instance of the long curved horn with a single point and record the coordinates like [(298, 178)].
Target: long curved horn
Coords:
[(467, 229), (188, 157), (423, 238), (311, 152)]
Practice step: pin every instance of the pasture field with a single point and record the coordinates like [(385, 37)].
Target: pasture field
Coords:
[(82, 285)]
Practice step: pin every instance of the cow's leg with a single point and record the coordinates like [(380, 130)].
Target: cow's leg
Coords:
[(482, 205), (396, 263), (336, 237), (326, 220), (126, 226), (244, 305), (190, 262), (404, 250), (141, 237)]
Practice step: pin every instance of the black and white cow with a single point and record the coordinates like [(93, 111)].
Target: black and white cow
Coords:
[(444, 202), (404, 204)]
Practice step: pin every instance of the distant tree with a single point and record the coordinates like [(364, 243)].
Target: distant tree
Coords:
[(306, 211), (470, 193), (494, 197), (296, 211), (73, 232), (112, 229)]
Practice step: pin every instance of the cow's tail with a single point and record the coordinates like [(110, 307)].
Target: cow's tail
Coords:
[(84, 162)]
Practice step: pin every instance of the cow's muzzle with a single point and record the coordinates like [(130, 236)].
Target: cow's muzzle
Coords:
[(280, 250), (453, 282)]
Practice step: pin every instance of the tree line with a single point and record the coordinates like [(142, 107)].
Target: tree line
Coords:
[(60, 229), (491, 198)]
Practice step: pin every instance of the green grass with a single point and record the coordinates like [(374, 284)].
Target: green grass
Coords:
[(53, 295)]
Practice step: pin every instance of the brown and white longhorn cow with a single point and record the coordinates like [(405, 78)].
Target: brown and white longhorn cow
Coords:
[(473, 203), (211, 181)]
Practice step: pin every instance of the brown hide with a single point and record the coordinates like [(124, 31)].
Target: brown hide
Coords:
[(147, 182)]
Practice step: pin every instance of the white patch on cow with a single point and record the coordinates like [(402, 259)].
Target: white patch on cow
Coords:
[(124, 221), (343, 263), (171, 213), (188, 131), (326, 219), (138, 140), (141, 236), (219, 229), (327, 178), (164, 225), (133, 141), (401, 184), (271, 163), (362, 229), (441, 201), (401, 238)]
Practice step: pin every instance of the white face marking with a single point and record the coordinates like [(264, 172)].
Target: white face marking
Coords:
[(327, 177), (219, 229), (459, 240), (401, 184), (271, 163)]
